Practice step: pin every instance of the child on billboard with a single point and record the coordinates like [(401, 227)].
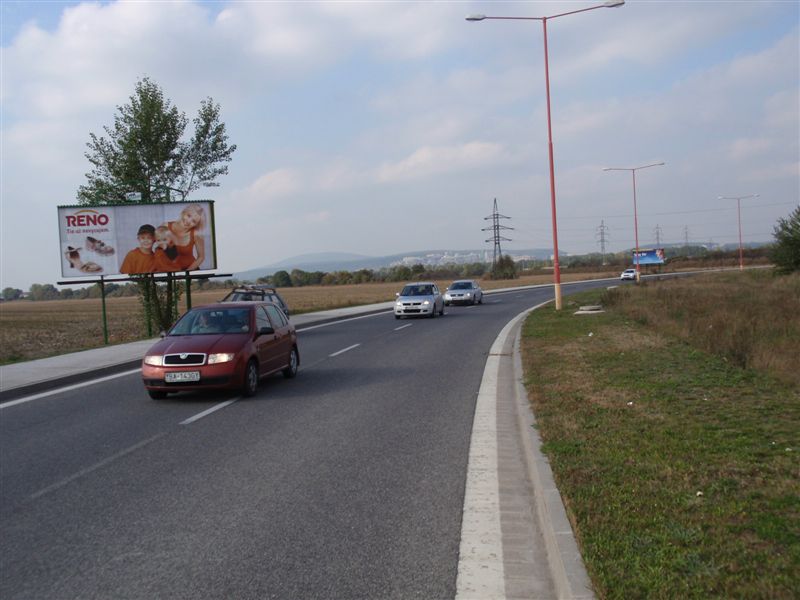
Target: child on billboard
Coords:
[(141, 259), (165, 252)]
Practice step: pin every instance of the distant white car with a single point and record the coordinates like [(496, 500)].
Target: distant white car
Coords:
[(629, 274), (463, 291)]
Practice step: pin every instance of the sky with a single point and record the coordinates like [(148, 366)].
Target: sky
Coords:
[(382, 128)]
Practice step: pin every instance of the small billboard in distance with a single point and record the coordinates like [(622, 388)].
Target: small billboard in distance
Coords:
[(650, 257)]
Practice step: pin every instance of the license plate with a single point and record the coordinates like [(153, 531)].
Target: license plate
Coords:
[(181, 376)]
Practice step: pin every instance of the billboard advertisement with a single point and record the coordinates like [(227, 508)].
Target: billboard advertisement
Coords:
[(131, 239), (650, 257)]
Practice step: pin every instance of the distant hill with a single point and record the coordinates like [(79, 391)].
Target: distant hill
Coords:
[(342, 261)]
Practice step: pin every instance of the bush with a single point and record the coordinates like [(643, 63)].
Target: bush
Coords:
[(786, 251)]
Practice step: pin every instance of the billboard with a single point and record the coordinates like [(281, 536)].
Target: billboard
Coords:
[(650, 257), (129, 239)]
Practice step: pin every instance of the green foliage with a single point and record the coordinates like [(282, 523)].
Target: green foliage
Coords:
[(786, 251), (281, 279), (504, 268), (10, 293), (45, 291), (678, 467), (144, 153)]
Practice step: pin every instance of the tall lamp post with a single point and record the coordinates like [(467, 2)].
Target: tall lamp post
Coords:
[(635, 213), (739, 213), (609, 4)]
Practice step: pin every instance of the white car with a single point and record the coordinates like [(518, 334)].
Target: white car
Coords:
[(629, 274), (420, 299), (463, 291)]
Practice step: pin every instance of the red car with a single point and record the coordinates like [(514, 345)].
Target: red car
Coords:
[(229, 345)]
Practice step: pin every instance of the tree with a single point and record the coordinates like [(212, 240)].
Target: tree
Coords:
[(145, 158), (10, 293), (786, 251), (144, 154), (45, 291), (504, 268), (281, 279)]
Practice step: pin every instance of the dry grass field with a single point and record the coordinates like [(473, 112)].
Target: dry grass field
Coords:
[(30, 330)]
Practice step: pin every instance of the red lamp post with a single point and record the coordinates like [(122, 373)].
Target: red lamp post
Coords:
[(609, 4), (739, 213), (635, 213)]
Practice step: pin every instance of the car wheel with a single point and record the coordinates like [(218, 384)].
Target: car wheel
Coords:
[(290, 371), (442, 313), (397, 317), (480, 301), (250, 384), (433, 311), (156, 395)]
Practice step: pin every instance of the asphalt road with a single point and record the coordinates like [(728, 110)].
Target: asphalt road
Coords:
[(346, 482)]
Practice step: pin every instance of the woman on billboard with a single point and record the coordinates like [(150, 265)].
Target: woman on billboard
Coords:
[(189, 241)]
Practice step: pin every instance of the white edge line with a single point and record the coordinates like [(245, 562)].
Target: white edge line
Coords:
[(403, 326), (300, 328), (481, 566), (68, 388), (342, 351), (205, 413), (94, 467)]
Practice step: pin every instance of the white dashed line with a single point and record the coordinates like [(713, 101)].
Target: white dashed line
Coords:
[(205, 413), (342, 351), (403, 326)]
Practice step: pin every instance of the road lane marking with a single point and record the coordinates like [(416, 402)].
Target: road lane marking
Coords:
[(309, 328), (343, 350), (67, 388), (403, 326), (205, 413), (94, 467)]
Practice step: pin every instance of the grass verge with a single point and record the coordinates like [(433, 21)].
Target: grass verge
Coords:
[(679, 469)]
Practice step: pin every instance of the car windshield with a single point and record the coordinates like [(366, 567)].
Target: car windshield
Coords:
[(213, 321), (244, 297), (417, 290), (461, 285)]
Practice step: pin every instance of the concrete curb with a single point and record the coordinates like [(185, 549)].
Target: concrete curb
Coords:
[(59, 381), (566, 563), (482, 564)]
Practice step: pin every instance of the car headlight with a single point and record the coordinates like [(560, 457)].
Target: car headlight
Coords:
[(154, 361), (426, 302), (399, 304), (214, 359), (468, 294)]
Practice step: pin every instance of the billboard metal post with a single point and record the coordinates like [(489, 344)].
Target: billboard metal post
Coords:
[(103, 303), (188, 291)]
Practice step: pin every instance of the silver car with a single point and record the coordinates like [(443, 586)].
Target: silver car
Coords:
[(463, 291), (419, 299)]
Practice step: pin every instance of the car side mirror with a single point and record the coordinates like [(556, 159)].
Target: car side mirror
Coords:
[(265, 330)]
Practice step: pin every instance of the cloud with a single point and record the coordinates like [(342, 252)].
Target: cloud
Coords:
[(270, 187), (429, 160)]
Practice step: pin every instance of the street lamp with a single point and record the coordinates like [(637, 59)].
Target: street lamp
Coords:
[(739, 212), (609, 4), (635, 214)]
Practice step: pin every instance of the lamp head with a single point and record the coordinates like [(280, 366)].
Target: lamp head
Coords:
[(476, 17)]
